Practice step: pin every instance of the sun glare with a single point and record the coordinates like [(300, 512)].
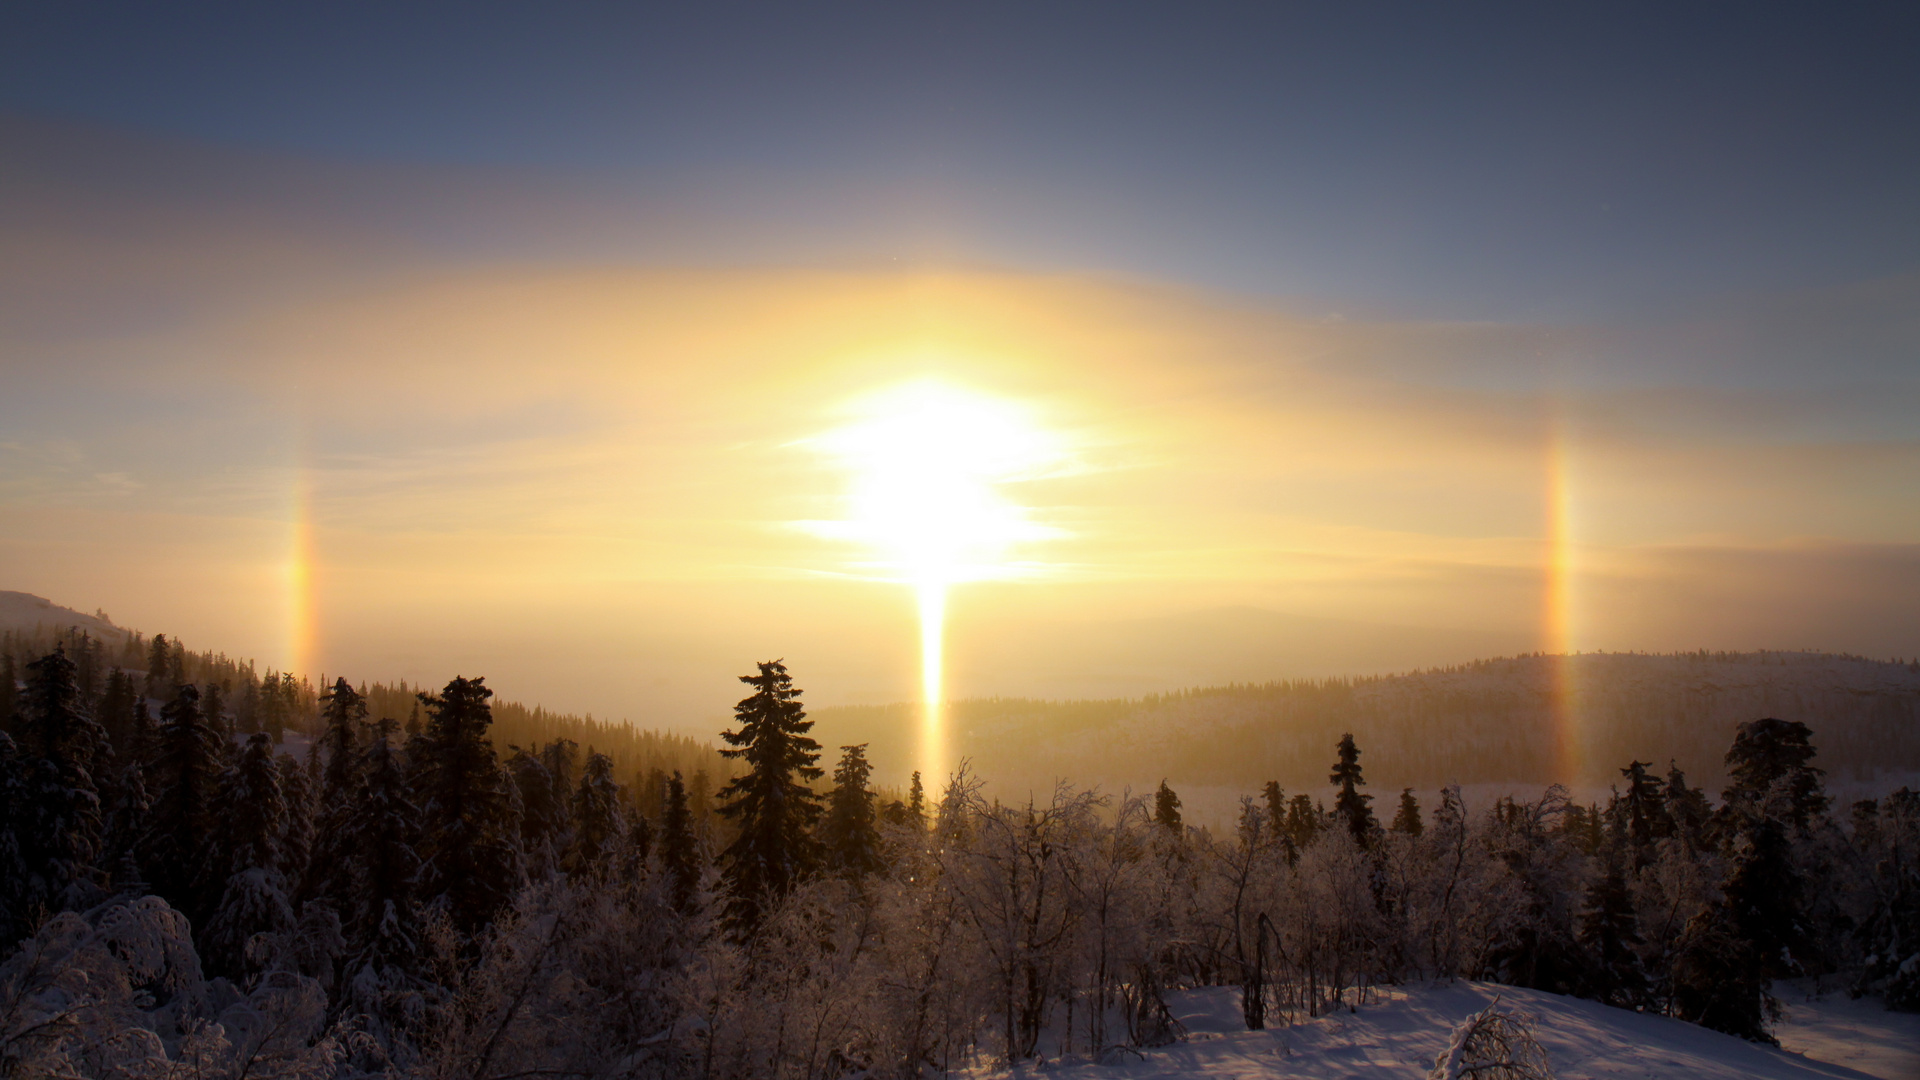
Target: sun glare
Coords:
[(927, 465)]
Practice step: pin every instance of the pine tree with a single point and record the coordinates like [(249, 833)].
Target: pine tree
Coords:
[(62, 825), (342, 711), (599, 818), (299, 837), (1349, 805), (1646, 817), (159, 666), (1686, 807), (1769, 752), (771, 804), (1303, 821), (471, 863), (1166, 809), (174, 853), (9, 695), (382, 833), (544, 825), (1717, 978), (1766, 898), (247, 857), (848, 834), (1407, 819), (917, 802), (1610, 933), (679, 848)]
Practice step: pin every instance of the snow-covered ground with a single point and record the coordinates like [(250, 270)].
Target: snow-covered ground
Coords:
[(1398, 1038), (1859, 1034)]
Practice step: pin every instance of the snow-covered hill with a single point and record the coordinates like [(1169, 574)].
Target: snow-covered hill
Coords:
[(1400, 1038)]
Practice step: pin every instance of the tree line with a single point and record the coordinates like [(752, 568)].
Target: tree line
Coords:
[(416, 903)]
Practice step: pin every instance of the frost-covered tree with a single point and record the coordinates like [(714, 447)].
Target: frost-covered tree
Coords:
[(849, 835), (771, 805), (58, 824), (1773, 753), (1610, 935), (599, 818), (246, 856), (380, 836), (543, 811)]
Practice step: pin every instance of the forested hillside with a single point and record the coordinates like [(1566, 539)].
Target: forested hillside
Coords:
[(1493, 721), (288, 706)]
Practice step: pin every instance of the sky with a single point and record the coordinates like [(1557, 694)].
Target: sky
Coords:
[(407, 340)]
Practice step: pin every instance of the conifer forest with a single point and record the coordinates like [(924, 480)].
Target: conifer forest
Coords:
[(182, 894)]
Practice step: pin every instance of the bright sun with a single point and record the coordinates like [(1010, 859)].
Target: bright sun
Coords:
[(926, 464)]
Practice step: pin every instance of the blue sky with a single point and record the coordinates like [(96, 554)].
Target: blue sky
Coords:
[(1467, 161)]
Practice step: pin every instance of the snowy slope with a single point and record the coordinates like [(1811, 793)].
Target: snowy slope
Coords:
[(1399, 1039)]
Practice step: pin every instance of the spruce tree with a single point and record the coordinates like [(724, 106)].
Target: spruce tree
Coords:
[(1407, 819), (9, 695), (1349, 805), (771, 804), (917, 802), (543, 812), (1769, 752), (342, 711), (174, 854), (679, 847), (62, 823), (848, 834), (471, 862), (19, 910), (599, 818), (1766, 899), (1303, 821), (159, 665), (1646, 817), (1276, 804), (1717, 978), (381, 835), (1166, 809), (246, 854), (1687, 809), (1610, 933), (115, 712), (300, 836)]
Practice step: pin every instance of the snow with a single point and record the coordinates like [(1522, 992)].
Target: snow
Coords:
[(1860, 1034), (1399, 1038)]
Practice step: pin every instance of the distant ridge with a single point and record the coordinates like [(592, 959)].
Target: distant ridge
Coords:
[(24, 613), (1489, 721)]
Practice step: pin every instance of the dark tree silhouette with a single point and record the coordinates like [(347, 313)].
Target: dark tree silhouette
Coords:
[(849, 837), (174, 854), (679, 848), (1166, 808), (599, 819), (1349, 805), (770, 804), (1407, 818), (1769, 752), (471, 864)]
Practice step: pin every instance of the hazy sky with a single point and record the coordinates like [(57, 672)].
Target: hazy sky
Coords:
[(534, 314)]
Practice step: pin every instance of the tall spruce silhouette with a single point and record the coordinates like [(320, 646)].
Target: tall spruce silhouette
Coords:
[(679, 848), (1349, 805), (380, 836), (770, 804), (849, 834), (1166, 808), (175, 853), (471, 863)]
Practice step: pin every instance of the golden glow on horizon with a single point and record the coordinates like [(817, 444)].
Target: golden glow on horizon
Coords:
[(927, 461), (301, 631), (1558, 616)]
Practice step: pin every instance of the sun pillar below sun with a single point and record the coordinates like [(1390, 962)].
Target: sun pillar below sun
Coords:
[(932, 596)]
